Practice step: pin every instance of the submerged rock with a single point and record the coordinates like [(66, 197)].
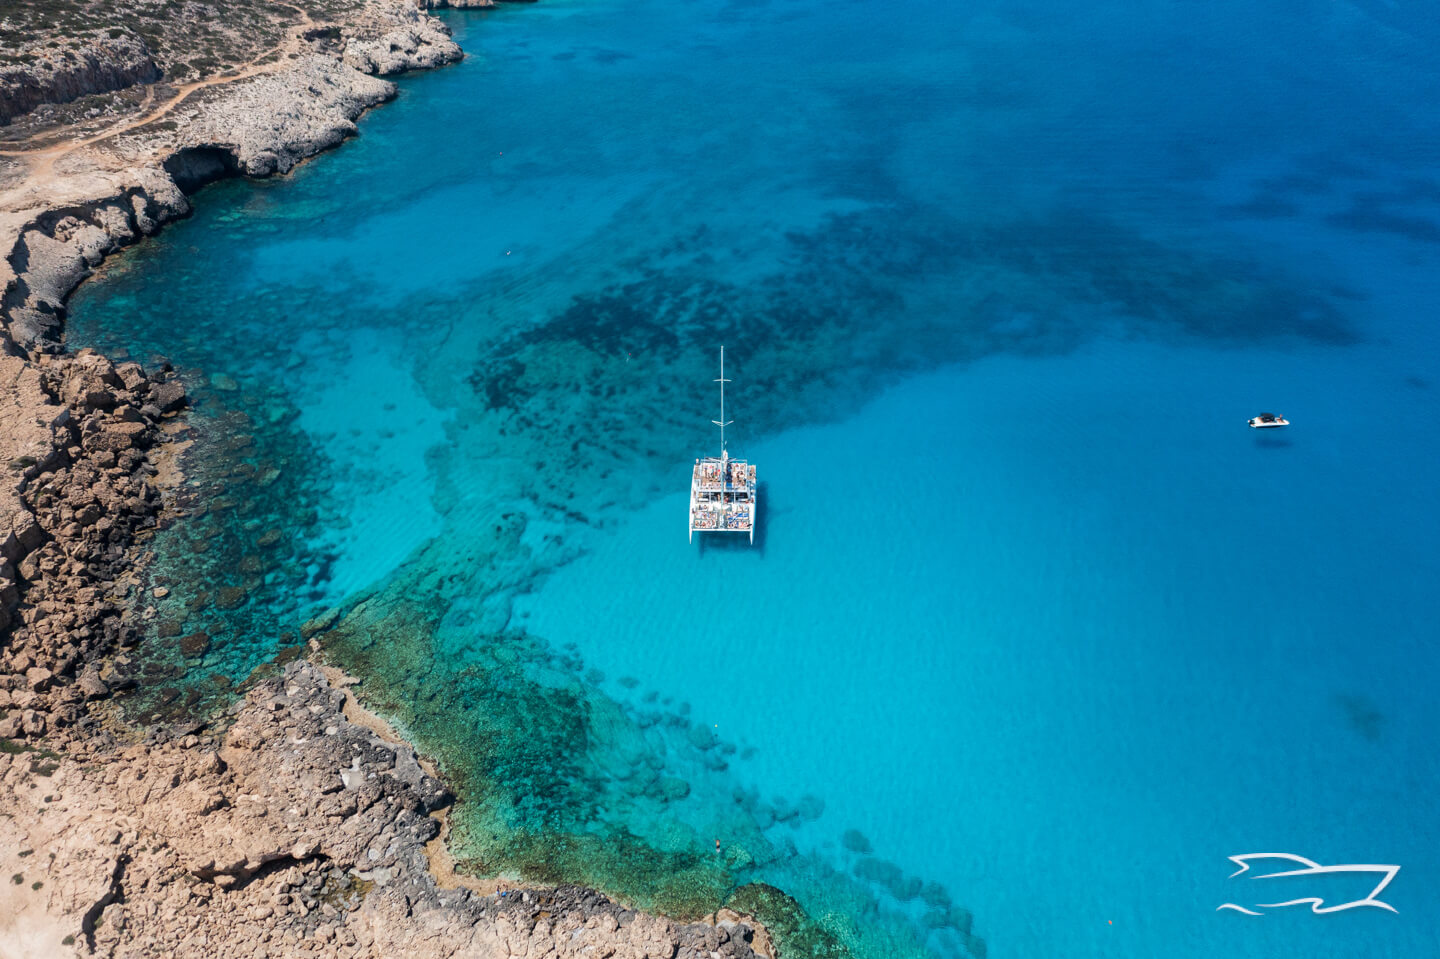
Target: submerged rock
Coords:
[(810, 807), (702, 737), (673, 788), (906, 888), (230, 597), (319, 623), (877, 870), (195, 644), (935, 895)]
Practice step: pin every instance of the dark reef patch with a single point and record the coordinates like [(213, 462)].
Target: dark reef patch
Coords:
[(854, 304), (1263, 206), (1368, 219), (610, 56)]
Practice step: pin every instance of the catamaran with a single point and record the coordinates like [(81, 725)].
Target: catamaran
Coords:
[(722, 489)]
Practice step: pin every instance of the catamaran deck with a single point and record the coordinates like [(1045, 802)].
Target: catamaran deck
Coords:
[(722, 496)]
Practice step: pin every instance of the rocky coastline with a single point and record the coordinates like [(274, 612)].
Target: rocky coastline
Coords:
[(295, 831), (82, 438), (64, 208), (285, 827)]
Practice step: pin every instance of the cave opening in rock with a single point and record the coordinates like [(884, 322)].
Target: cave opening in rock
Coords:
[(194, 167)]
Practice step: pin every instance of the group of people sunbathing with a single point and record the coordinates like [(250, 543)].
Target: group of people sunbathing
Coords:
[(737, 519), (716, 508), (732, 515), (710, 476), (741, 474)]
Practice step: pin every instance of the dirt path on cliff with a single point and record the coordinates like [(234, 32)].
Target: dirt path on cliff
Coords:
[(41, 162)]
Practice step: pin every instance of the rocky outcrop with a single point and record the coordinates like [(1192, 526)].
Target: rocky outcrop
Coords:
[(272, 122), (98, 65), (59, 248), (418, 44), (61, 231), (457, 4), (298, 830)]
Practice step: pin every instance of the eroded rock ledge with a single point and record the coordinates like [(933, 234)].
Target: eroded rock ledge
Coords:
[(294, 832)]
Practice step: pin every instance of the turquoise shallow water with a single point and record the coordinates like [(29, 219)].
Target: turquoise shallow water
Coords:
[(1032, 613)]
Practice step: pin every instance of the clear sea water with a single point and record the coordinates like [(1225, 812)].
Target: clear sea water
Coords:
[(1034, 627)]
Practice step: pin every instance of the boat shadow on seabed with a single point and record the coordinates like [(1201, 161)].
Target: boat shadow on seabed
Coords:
[(741, 544), (1272, 443)]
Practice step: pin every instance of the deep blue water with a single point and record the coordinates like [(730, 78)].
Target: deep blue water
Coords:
[(1031, 608)]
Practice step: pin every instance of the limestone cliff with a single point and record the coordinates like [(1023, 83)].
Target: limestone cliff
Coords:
[(99, 64)]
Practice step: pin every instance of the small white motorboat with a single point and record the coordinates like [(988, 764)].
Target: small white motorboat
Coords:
[(1266, 421)]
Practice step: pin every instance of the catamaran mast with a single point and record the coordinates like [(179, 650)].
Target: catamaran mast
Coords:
[(722, 422)]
